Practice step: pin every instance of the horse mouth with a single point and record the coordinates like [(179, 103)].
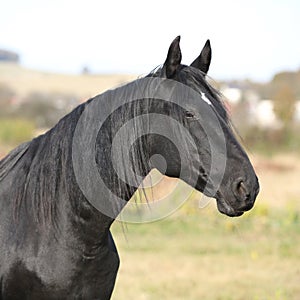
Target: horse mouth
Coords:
[(225, 208)]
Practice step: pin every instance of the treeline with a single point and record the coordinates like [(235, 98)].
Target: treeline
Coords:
[(284, 92), (22, 117), (9, 56)]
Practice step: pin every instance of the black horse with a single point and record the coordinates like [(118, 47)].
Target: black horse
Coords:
[(55, 215)]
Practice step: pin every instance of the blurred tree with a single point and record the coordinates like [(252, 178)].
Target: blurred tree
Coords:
[(292, 79), (45, 109), (6, 95), (284, 104)]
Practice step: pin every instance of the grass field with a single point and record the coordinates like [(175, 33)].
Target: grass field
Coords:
[(207, 256), (201, 254)]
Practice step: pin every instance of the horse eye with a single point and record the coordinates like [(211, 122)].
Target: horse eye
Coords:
[(189, 114)]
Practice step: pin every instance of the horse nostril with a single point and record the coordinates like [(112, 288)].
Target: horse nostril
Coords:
[(242, 187), (241, 191)]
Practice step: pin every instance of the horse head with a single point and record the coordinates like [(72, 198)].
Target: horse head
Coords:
[(216, 162)]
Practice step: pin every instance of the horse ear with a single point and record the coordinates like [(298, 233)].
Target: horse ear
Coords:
[(173, 59), (202, 62)]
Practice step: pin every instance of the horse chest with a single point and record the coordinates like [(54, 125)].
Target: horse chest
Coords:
[(65, 277)]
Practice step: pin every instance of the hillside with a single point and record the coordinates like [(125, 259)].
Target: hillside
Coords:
[(24, 81)]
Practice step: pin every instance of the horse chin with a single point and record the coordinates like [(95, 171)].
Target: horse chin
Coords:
[(224, 206), (227, 209)]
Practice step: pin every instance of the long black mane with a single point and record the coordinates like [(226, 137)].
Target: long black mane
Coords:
[(39, 169)]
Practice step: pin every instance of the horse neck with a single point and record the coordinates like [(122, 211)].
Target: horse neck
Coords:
[(92, 223), (117, 189), (49, 196)]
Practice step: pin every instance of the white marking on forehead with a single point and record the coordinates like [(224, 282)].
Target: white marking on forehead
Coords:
[(204, 98)]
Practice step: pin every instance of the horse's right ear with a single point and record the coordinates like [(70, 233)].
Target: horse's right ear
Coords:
[(173, 59), (202, 62)]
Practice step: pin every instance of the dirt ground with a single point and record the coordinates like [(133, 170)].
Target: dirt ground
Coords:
[(279, 178)]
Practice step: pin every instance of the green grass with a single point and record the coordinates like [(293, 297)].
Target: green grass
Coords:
[(15, 131), (200, 254)]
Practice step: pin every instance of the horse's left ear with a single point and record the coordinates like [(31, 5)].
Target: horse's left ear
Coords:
[(202, 62), (173, 59)]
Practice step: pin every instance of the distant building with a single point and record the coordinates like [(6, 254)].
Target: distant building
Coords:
[(9, 56), (265, 115), (232, 94)]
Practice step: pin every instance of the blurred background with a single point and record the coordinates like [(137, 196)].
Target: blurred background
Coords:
[(55, 55)]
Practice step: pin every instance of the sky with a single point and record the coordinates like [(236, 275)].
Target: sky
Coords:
[(250, 39)]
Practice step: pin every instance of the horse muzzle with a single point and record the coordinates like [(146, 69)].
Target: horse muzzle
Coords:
[(240, 199)]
